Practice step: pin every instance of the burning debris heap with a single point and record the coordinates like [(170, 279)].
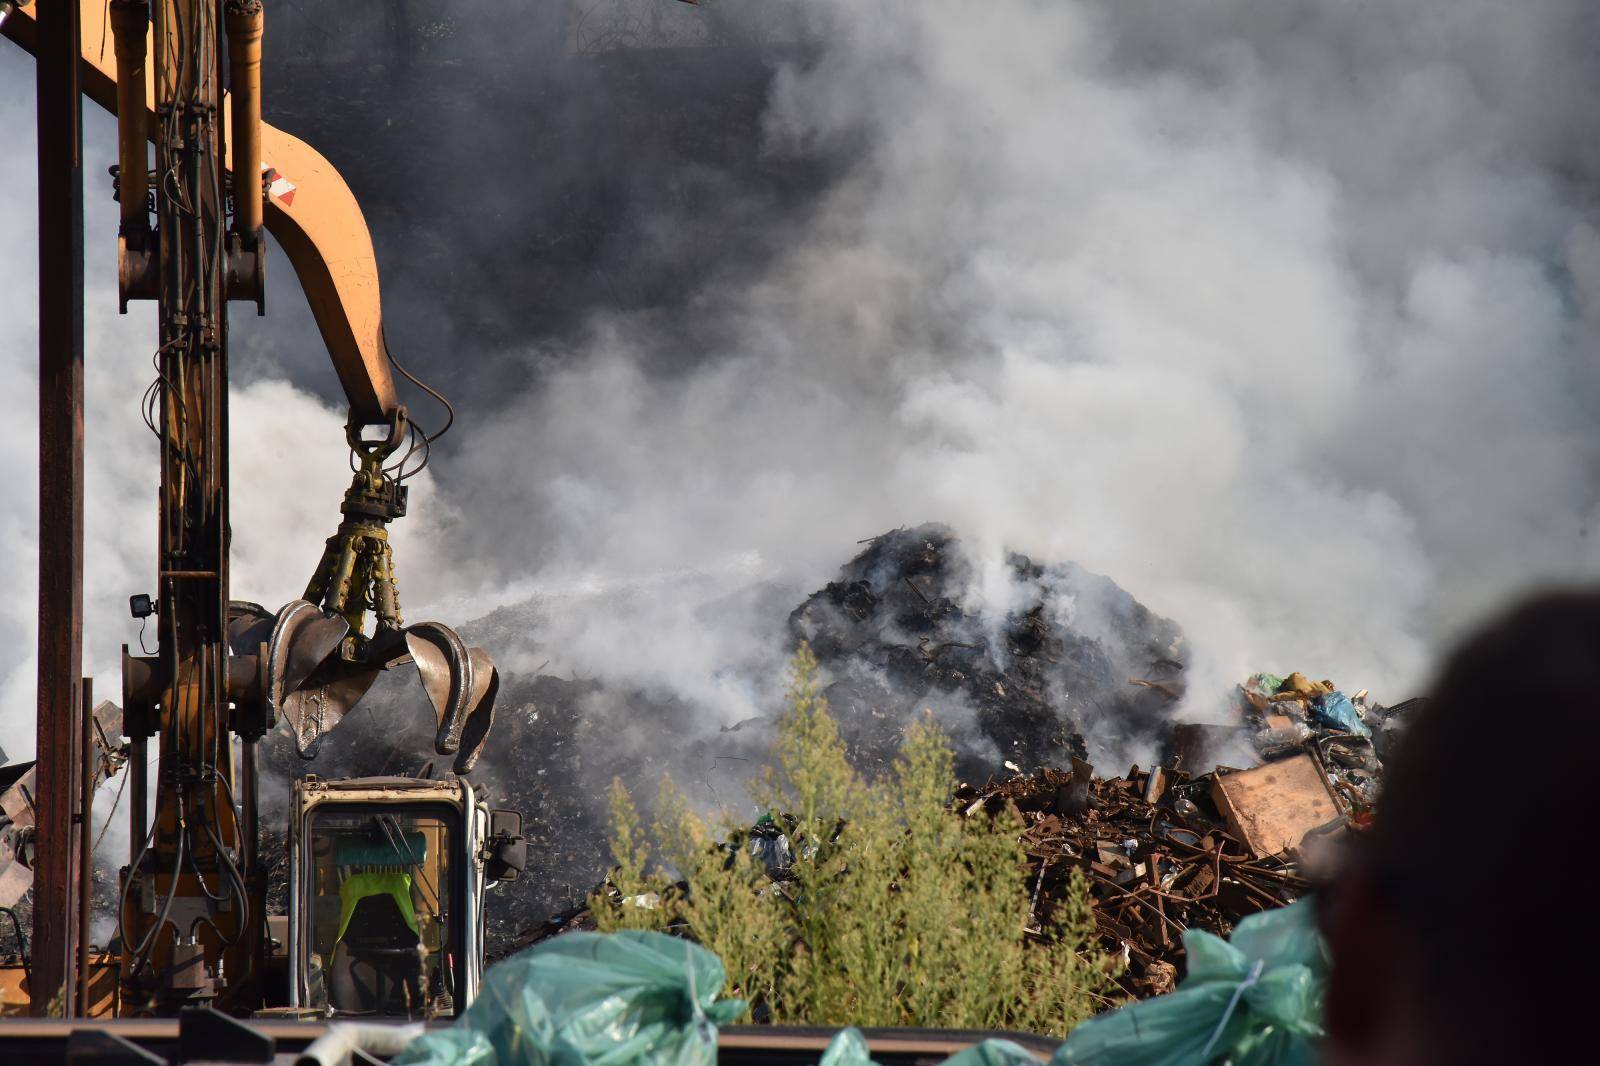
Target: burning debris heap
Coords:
[(905, 627), (1070, 664), (1167, 849), (900, 629)]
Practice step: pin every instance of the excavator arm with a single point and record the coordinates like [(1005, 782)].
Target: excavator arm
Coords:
[(318, 660), (308, 208)]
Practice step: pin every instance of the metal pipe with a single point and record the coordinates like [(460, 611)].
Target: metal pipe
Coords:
[(245, 24), (86, 783), (339, 1043), (251, 831), (471, 948), (298, 992), (138, 795), (249, 846), (60, 656), (130, 22)]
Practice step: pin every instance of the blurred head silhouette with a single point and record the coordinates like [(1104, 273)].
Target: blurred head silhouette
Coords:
[(1461, 931)]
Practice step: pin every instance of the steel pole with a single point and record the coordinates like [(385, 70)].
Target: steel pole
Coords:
[(60, 114), (85, 877)]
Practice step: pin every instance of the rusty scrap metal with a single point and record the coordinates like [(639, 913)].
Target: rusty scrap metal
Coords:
[(1164, 850), (1152, 872)]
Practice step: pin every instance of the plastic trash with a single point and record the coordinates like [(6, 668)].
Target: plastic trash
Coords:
[(770, 846), (340, 1041), (1263, 685), (591, 998), (1253, 1001), (1337, 712), (1298, 684), (849, 1048), (993, 1052)]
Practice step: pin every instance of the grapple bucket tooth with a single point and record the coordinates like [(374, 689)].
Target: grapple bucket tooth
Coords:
[(445, 668), (480, 709), (310, 686), (317, 706)]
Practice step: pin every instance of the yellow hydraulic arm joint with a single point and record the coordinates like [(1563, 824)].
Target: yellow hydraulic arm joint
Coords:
[(357, 567)]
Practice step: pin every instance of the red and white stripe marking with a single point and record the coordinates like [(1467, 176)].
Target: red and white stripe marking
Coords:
[(279, 187)]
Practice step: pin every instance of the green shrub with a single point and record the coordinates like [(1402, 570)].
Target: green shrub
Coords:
[(896, 910)]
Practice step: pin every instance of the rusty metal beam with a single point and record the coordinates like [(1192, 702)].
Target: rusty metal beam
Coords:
[(60, 116), (87, 779)]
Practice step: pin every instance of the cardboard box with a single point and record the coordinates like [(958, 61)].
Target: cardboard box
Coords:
[(1272, 807)]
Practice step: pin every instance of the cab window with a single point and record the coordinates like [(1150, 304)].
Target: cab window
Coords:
[(379, 892)]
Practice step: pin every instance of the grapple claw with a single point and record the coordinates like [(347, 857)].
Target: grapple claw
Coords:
[(445, 666), (307, 684), (303, 638), (319, 662), (480, 709), (326, 697)]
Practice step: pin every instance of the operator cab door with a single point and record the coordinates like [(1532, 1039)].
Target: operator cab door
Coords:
[(381, 910)]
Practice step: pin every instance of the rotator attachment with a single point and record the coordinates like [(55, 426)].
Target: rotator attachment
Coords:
[(320, 661)]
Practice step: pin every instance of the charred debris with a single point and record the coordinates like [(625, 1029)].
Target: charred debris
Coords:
[(1167, 849), (1077, 664), (901, 628), (1026, 682)]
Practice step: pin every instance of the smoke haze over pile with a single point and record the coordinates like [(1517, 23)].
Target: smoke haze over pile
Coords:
[(1282, 317)]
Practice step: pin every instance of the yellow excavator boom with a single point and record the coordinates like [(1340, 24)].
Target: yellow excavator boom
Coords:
[(308, 208)]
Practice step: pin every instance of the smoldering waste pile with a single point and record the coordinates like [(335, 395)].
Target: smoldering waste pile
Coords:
[(1056, 664), (1169, 848), (1026, 682)]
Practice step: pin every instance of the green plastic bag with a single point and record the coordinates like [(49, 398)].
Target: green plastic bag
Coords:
[(1253, 1001), (993, 1052), (1263, 684), (594, 999), (849, 1048)]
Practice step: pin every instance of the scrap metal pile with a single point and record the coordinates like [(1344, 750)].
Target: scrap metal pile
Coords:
[(18, 789), (1164, 850)]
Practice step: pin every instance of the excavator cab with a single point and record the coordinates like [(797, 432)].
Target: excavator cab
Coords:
[(386, 888), (380, 931)]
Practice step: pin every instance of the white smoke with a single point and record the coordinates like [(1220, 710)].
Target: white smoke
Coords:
[(1278, 315), (1281, 321)]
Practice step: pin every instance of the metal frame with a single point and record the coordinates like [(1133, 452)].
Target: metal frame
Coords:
[(61, 490), (737, 1045)]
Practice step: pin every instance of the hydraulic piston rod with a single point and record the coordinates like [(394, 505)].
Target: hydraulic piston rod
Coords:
[(246, 250), (136, 255)]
